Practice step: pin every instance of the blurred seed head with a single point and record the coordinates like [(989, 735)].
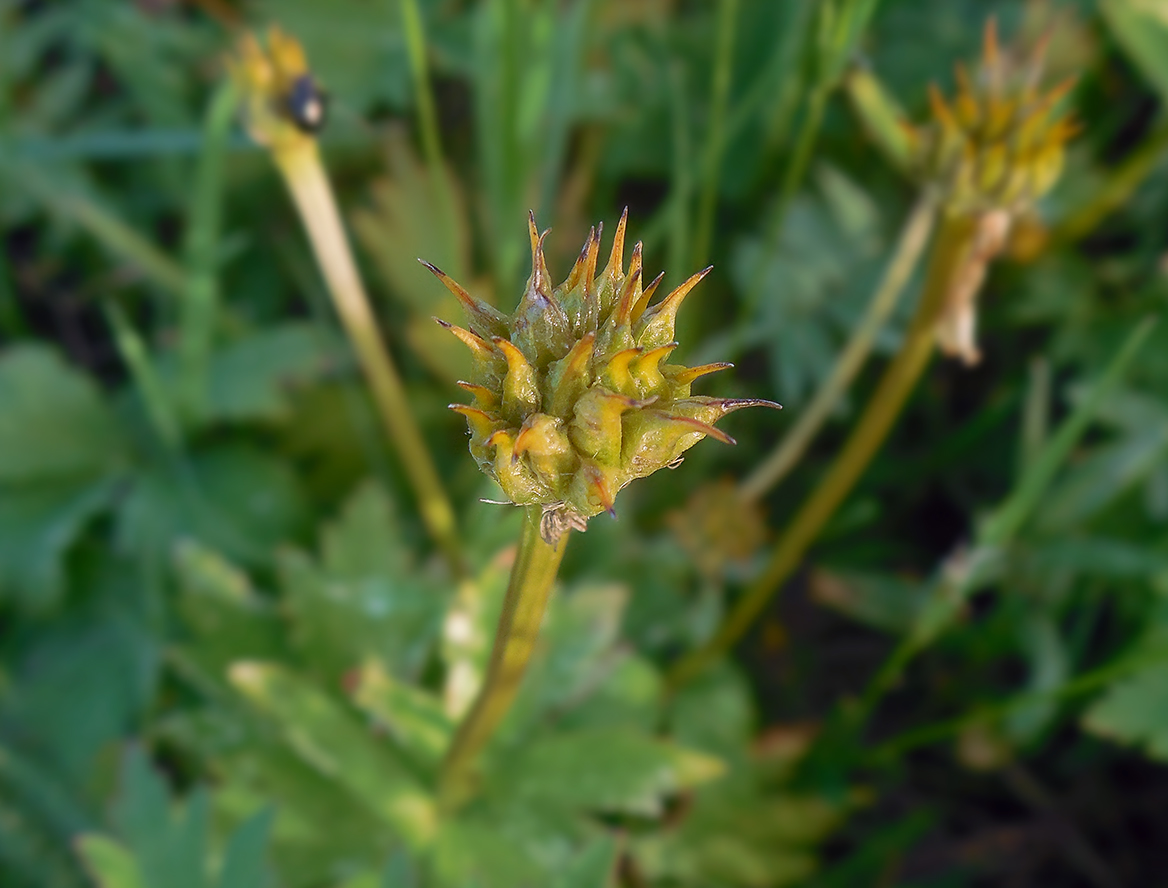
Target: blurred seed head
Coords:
[(998, 144), (718, 529), (988, 154)]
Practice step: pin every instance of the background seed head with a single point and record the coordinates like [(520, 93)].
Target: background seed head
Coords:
[(574, 395), (999, 143)]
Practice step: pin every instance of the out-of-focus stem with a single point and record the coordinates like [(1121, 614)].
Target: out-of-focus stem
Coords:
[(716, 137), (532, 578), (159, 409), (913, 238), (951, 250), (427, 113), (306, 179)]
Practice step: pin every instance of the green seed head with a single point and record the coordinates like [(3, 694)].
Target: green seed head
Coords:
[(575, 396)]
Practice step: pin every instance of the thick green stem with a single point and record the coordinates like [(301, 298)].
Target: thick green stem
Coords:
[(532, 577), (306, 179), (949, 259), (789, 451)]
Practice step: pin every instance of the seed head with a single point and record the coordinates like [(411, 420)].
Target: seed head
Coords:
[(999, 143), (988, 154), (574, 395)]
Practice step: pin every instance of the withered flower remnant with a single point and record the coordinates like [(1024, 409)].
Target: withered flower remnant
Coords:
[(988, 155), (574, 395)]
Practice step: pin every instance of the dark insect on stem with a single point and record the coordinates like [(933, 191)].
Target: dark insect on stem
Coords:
[(307, 104)]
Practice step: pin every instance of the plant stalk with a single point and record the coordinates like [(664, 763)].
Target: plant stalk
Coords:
[(306, 179), (790, 450), (716, 138), (955, 238), (532, 578)]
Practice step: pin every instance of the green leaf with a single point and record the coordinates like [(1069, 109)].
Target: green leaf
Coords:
[(414, 718), (1134, 711), (576, 649), (363, 598), (470, 854), (243, 860), (235, 499), (594, 867), (79, 684), (613, 770), (228, 619), (253, 378), (816, 280), (162, 844), (53, 480), (45, 403), (38, 524), (111, 865), (1141, 27), (714, 713), (330, 738)]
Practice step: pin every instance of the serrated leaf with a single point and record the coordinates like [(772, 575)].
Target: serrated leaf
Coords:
[(810, 286), (613, 770), (167, 844), (330, 739), (363, 598)]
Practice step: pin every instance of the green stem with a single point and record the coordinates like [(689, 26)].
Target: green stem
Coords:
[(895, 749), (306, 179), (532, 577), (428, 114), (716, 138), (790, 450), (954, 239), (200, 304), (137, 357)]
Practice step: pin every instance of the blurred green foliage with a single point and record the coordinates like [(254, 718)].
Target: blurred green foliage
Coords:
[(228, 657)]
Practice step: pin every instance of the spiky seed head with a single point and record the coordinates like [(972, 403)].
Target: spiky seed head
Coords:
[(989, 154), (574, 395), (284, 105), (999, 143)]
